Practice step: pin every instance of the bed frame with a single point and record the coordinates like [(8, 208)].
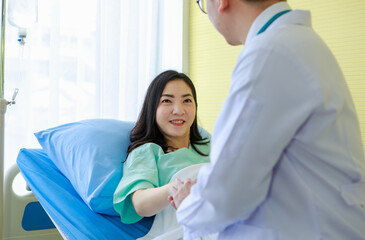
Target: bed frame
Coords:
[(24, 217)]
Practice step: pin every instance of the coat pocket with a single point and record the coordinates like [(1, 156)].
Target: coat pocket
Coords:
[(354, 194), (246, 232)]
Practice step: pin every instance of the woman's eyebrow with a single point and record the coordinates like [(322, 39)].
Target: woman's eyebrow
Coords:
[(167, 95), (172, 96)]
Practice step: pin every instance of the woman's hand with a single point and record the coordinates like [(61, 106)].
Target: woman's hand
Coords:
[(179, 191), (148, 202)]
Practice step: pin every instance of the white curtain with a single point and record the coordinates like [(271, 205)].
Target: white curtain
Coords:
[(87, 59)]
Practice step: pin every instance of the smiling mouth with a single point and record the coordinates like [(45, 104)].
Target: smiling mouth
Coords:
[(177, 122)]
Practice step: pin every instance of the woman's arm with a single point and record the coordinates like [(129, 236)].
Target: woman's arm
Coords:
[(148, 202)]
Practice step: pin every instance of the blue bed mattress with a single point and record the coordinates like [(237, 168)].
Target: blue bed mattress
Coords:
[(58, 197)]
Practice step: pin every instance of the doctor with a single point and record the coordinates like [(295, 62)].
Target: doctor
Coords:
[(287, 158)]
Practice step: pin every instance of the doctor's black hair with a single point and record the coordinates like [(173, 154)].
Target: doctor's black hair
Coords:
[(146, 129)]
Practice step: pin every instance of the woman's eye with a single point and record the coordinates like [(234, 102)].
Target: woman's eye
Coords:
[(188, 100), (165, 101)]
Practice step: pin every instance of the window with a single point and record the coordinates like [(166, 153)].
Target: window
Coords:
[(87, 59)]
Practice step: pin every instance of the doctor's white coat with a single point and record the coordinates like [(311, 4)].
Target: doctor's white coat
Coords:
[(287, 158)]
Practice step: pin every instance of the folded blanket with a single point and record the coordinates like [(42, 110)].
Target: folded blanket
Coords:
[(165, 226)]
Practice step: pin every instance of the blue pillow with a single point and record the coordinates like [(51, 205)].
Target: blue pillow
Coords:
[(90, 154)]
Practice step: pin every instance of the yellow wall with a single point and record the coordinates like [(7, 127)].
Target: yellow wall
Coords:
[(340, 23), (211, 64)]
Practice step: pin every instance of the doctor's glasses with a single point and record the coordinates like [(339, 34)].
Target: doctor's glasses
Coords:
[(202, 5)]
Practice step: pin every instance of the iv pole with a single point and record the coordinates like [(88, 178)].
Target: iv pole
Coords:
[(3, 105)]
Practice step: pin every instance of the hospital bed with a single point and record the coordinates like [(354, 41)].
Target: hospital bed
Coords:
[(72, 217), (74, 177)]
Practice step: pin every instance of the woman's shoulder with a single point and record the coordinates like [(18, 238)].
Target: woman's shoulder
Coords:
[(148, 148), (144, 153)]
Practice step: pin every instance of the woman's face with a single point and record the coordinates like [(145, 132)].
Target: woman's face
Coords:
[(176, 111)]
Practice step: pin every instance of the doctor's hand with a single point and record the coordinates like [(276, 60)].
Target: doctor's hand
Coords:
[(179, 191)]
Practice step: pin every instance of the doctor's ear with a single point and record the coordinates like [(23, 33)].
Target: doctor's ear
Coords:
[(223, 5)]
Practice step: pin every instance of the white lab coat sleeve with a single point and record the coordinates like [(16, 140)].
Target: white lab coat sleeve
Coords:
[(271, 96)]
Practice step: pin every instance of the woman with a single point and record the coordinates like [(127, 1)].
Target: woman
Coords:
[(165, 140)]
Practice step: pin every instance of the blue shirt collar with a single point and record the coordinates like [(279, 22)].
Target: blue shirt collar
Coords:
[(265, 16)]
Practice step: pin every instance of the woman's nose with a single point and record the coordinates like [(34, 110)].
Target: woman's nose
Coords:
[(178, 109)]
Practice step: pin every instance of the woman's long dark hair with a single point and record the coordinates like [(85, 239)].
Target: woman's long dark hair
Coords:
[(146, 129)]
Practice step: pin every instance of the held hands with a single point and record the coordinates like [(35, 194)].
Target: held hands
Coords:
[(179, 191)]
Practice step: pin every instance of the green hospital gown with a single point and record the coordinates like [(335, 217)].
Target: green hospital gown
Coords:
[(148, 167)]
